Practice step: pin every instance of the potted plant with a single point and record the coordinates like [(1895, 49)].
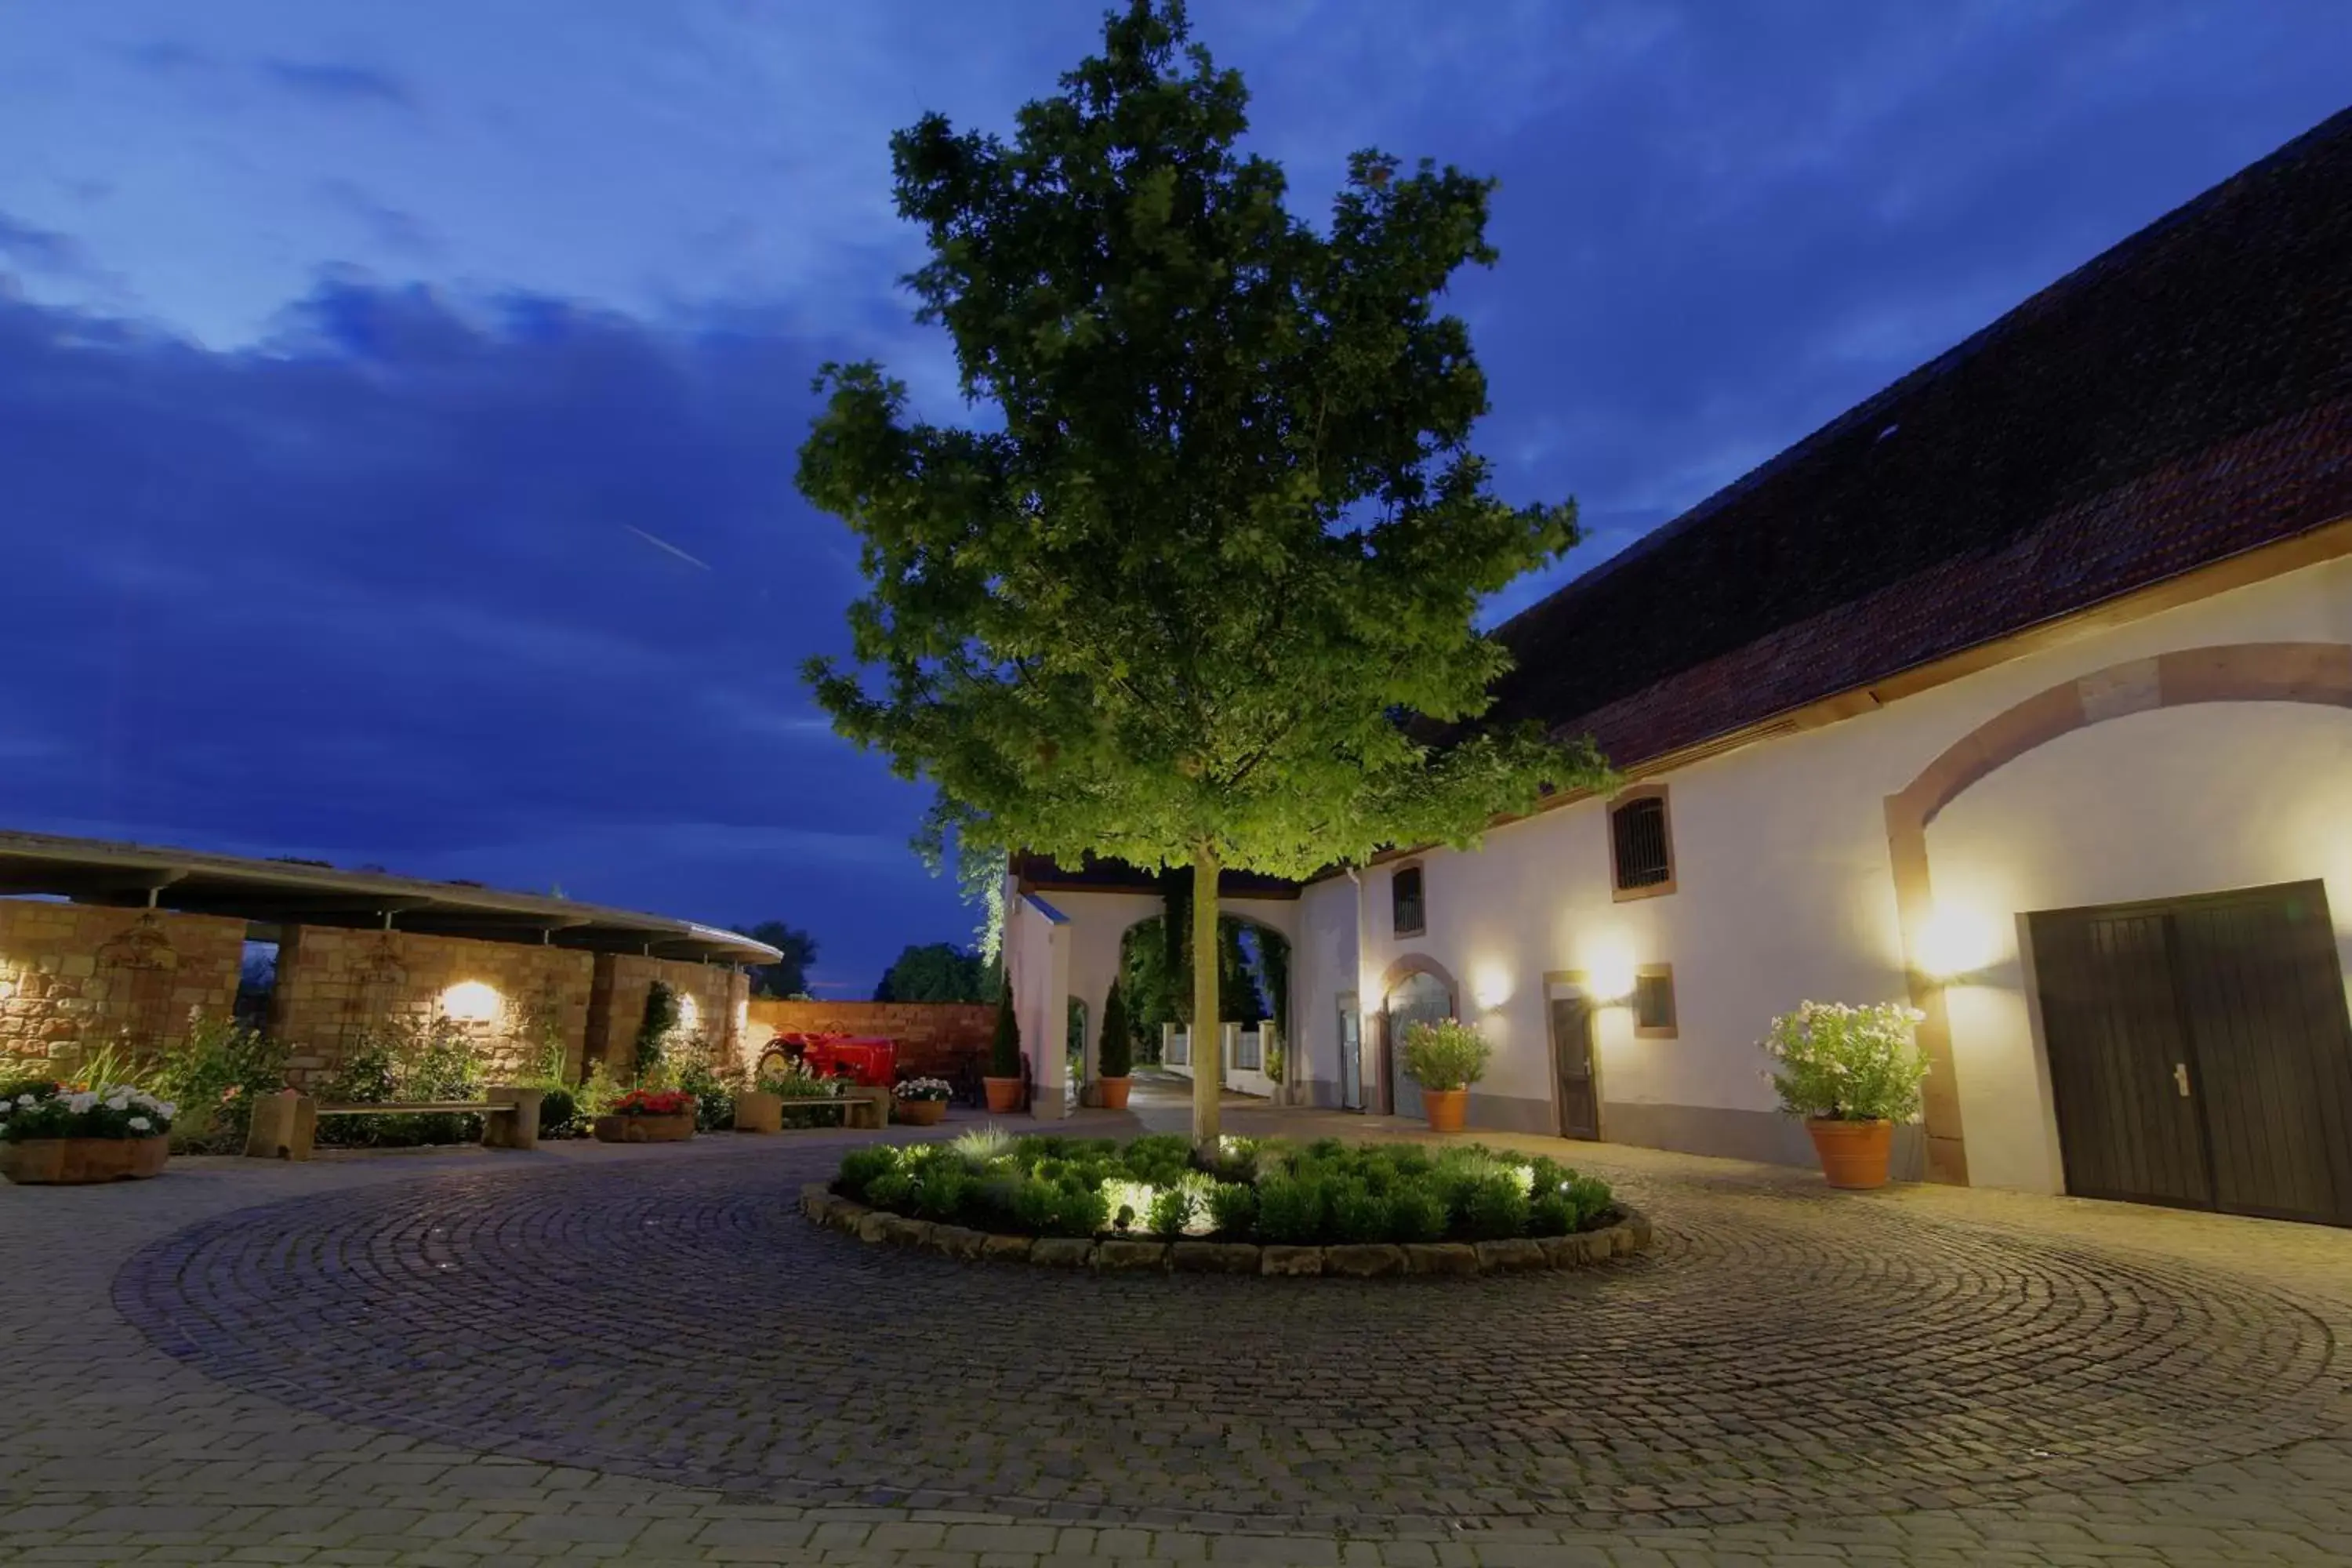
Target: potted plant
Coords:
[(1445, 1057), (921, 1101), (1851, 1073), (1118, 1054), (648, 1116), (56, 1135), (1004, 1079)]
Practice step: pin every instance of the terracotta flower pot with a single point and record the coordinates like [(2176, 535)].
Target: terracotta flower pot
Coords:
[(645, 1129), (921, 1112), (1444, 1108), (72, 1162), (1003, 1093), (1853, 1153), (1114, 1092)]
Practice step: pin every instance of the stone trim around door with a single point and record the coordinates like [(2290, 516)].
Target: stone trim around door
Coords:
[(2232, 672)]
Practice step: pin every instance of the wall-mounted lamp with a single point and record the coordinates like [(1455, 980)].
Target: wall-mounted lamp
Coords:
[(1490, 986), (470, 1002), (1608, 975), (1954, 942)]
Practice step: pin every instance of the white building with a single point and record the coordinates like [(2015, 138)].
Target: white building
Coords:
[(2022, 690)]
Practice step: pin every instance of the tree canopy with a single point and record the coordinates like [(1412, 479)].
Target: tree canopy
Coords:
[(788, 976), (939, 972), (1226, 536)]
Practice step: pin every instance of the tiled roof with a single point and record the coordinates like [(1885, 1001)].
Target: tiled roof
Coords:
[(2186, 396)]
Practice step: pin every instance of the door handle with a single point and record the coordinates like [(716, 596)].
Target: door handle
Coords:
[(2181, 1078)]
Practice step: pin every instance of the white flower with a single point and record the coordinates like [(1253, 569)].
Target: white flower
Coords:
[(167, 1110), (25, 1100), (139, 1124), (80, 1103)]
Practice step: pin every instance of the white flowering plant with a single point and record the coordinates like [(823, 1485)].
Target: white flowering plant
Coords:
[(1840, 1063), (924, 1089), (31, 1110)]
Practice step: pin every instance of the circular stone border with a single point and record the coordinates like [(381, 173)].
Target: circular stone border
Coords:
[(1371, 1260)]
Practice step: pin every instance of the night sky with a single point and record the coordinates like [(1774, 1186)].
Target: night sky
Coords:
[(398, 402)]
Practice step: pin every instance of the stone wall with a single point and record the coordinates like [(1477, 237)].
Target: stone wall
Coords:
[(710, 996), (935, 1038), (73, 976), (334, 986)]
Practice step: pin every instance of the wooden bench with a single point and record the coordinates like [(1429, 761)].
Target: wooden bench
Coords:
[(285, 1123), (860, 1106)]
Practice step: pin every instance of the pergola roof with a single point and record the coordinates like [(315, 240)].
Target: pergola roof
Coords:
[(287, 892)]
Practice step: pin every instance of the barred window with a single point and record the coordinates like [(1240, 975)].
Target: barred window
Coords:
[(1408, 916), (1653, 1003), (1639, 847)]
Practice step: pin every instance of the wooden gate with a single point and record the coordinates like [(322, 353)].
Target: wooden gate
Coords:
[(2201, 1054)]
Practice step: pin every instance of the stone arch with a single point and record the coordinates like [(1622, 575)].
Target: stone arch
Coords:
[(2232, 672), (136, 972), (1418, 964)]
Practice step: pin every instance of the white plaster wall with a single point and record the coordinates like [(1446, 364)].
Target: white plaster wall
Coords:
[(1783, 888)]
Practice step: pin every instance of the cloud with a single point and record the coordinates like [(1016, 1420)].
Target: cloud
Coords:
[(375, 591), (42, 250), (339, 82), (388, 229)]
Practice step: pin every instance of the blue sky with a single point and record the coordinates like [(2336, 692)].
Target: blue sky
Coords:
[(398, 402)]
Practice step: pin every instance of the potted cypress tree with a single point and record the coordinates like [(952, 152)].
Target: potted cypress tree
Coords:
[(1117, 1051), (1004, 1077)]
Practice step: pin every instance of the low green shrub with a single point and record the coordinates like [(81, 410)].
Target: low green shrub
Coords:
[(1327, 1191)]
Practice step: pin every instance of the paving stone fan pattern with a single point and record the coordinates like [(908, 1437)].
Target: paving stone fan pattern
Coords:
[(1775, 1356)]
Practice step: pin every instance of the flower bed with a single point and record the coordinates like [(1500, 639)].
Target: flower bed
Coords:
[(647, 1116), (921, 1101), (1266, 1193)]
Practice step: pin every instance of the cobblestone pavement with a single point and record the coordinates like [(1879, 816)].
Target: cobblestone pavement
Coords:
[(644, 1353)]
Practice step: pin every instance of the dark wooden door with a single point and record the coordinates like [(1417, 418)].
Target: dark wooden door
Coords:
[(2263, 996), (1571, 1055), (2199, 1052)]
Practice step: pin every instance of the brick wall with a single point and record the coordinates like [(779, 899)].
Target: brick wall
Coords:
[(617, 1008), (934, 1037), (73, 976), (335, 986)]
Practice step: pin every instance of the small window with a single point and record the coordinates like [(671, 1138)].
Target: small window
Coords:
[(1410, 919), (1641, 849), (1654, 1002)]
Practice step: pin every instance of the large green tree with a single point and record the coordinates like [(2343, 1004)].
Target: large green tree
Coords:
[(937, 972), (788, 976), (1203, 591)]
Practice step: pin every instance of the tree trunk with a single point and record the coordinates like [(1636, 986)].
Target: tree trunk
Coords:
[(1208, 1031)]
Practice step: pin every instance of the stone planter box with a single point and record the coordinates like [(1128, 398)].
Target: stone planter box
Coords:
[(645, 1129), (73, 1161), (919, 1113), (1629, 1235), (758, 1112)]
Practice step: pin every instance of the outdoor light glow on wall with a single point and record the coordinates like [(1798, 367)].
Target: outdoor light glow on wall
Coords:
[(689, 1014), (1954, 942), (1609, 975), (1490, 986), (470, 1002)]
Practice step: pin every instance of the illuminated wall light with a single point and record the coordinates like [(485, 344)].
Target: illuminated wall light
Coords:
[(1490, 986), (470, 1002), (1609, 975), (689, 1015), (1954, 942)]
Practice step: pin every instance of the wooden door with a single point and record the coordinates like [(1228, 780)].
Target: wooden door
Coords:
[(2199, 1052), (1420, 997), (2263, 996), (2118, 1058), (1571, 1055), (1352, 1056)]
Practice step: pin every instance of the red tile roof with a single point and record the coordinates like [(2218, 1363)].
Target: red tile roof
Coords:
[(2186, 396)]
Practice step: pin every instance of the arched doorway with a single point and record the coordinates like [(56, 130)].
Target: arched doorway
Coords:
[(1419, 996)]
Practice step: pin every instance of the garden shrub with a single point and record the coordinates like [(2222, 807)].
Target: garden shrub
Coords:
[(1326, 1192), (1290, 1211), (213, 1075), (408, 1060), (1232, 1208), (1416, 1211), (1358, 1214), (1494, 1210), (714, 1097), (1171, 1211)]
